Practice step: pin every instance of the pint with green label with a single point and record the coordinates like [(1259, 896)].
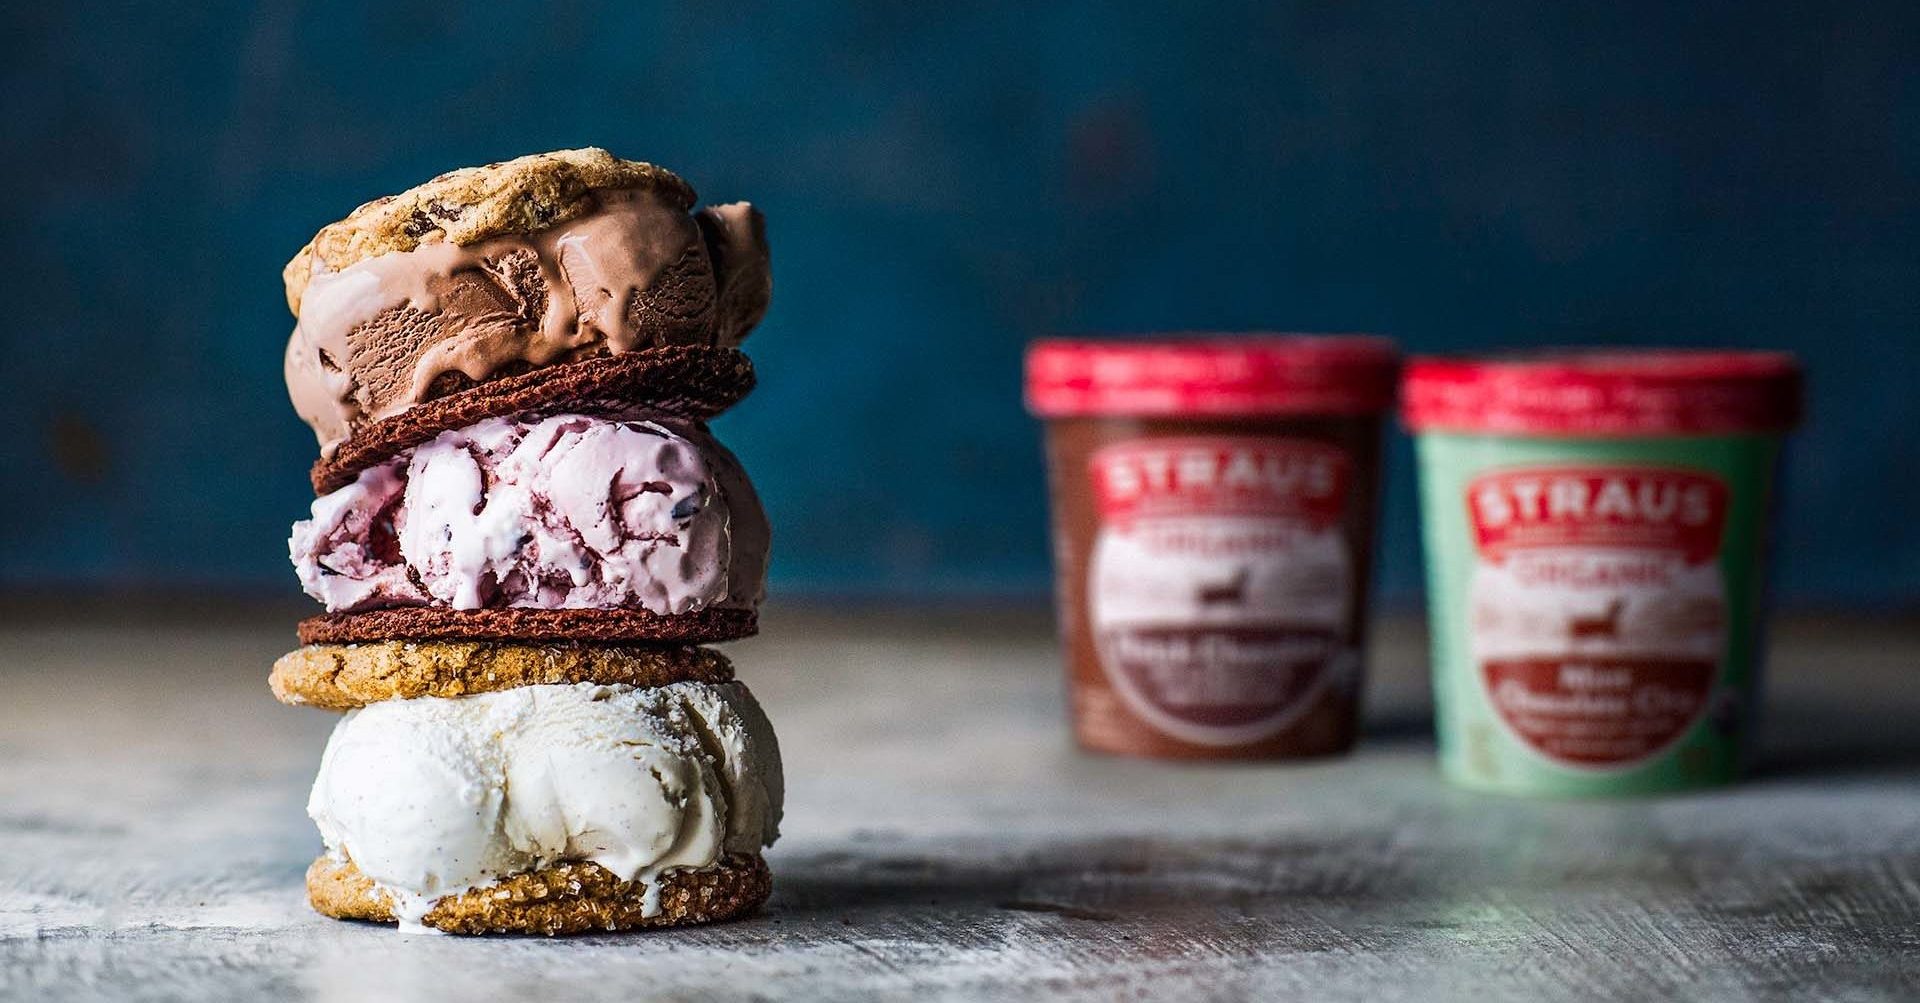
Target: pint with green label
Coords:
[(1596, 526)]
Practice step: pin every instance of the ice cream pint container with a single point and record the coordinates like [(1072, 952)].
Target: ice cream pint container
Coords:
[(1213, 508), (1595, 528)]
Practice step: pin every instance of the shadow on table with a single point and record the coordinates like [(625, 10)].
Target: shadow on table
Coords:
[(1397, 725), (1086, 880), (1836, 739)]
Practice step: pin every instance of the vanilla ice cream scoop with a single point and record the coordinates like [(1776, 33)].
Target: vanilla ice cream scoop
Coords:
[(568, 512), (431, 797)]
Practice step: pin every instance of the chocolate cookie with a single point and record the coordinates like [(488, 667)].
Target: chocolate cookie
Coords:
[(685, 381), (569, 898), (342, 677), (596, 626)]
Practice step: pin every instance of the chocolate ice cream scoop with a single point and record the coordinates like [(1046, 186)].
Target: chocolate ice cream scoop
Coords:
[(496, 271)]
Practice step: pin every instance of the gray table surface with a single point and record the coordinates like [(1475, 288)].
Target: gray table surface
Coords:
[(943, 840)]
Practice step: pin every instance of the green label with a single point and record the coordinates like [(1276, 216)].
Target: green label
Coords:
[(1595, 608)]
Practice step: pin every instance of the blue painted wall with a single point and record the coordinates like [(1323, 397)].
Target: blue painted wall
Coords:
[(944, 182)]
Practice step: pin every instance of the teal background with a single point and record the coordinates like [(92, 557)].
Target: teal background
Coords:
[(945, 182), (1461, 709)]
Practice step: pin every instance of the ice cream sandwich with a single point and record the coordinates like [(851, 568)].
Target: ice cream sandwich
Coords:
[(428, 805), (523, 533), (574, 261)]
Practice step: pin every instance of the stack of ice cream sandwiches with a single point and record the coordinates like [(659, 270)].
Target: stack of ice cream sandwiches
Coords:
[(523, 537)]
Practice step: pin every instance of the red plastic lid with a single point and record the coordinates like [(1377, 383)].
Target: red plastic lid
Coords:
[(1212, 376), (1605, 393)]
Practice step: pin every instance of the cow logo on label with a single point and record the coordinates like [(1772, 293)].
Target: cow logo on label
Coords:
[(1220, 582), (1599, 611)]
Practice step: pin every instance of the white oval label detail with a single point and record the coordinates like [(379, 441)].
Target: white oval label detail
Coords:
[(1221, 583), (1599, 613)]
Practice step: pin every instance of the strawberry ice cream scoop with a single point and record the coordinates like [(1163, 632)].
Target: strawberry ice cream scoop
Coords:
[(568, 512)]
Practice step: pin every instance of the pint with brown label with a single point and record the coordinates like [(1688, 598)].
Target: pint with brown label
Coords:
[(1213, 507)]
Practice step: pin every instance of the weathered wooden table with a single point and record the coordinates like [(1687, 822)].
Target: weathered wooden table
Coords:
[(944, 840)]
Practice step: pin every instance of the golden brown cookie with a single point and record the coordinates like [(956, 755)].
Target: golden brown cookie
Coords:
[(569, 898), (466, 206), (344, 676)]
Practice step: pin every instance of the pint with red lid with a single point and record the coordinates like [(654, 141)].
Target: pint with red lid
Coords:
[(1595, 527), (1213, 509)]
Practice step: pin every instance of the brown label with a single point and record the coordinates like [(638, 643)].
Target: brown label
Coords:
[(1219, 682), (1598, 711), (1220, 584)]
